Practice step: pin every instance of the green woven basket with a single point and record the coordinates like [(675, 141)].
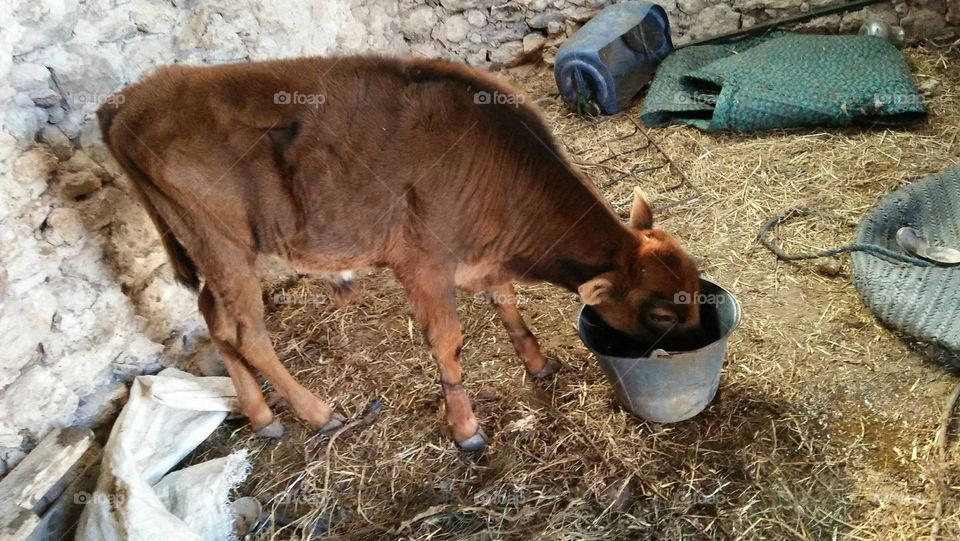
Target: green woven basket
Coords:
[(921, 301)]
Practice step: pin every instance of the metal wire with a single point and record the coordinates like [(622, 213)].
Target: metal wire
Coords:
[(638, 171)]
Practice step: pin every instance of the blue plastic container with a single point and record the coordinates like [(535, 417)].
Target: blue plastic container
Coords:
[(613, 56)]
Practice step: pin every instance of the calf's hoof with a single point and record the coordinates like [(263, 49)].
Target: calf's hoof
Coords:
[(273, 430), (336, 421), (474, 443), (343, 291), (551, 367)]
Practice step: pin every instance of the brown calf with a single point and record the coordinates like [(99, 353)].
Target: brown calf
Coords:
[(429, 168)]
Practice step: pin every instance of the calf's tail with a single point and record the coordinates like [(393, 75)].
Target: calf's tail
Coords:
[(184, 269)]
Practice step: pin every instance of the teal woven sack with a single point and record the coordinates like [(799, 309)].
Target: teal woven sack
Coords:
[(921, 301), (784, 80)]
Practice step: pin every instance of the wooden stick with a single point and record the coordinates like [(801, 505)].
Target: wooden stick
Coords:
[(23, 488)]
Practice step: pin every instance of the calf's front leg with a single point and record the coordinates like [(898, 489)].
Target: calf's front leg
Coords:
[(432, 296), (504, 299)]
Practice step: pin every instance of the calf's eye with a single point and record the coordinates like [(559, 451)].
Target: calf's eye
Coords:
[(662, 316)]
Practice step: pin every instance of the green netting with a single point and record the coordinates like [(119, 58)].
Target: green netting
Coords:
[(784, 80)]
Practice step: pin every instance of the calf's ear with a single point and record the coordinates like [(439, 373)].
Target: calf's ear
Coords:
[(596, 290), (641, 217)]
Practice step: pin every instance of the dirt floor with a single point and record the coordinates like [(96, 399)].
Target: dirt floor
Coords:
[(824, 427)]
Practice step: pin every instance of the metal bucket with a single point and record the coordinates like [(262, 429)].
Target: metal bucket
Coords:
[(661, 386)]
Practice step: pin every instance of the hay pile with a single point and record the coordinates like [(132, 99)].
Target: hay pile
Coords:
[(825, 422)]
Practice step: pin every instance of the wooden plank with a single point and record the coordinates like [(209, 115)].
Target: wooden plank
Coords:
[(34, 477), (59, 519), (17, 523)]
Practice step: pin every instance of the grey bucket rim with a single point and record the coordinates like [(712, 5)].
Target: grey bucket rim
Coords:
[(723, 337)]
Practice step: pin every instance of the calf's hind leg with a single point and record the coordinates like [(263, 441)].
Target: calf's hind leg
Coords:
[(234, 311), (251, 399)]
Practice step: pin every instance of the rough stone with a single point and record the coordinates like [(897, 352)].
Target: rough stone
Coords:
[(478, 58), (46, 97), (543, 20), (61, 147), (748, 5), (25, 326), (22, 124), (534, 5), (419, 22), (508, 13), (72, 124), (81, 161), (103, 207), (206, 360), (579, 14), (64, 227), (455, 29), (100, 406), (44, 20), (823, 25), (533, 42), (511, 32), (712, 20), (51, 403), (78, 184), (507, 53), (154, 18), (901, 8), (829, 267), (85, 76), (923, 21), (460, 5), (28, 77), (476, 17), (851, 22), (166, 305), (691, 7), (116, 25), (37, 163), (9, 457)]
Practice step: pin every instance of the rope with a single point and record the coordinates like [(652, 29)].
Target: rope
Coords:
[(872, 249), (585, 104)]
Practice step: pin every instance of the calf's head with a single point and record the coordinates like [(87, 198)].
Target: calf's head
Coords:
[(652, 297)]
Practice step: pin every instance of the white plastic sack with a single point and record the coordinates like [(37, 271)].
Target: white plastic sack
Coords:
[(166, 417)]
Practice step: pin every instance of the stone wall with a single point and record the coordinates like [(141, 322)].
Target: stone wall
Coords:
[(86, 298)]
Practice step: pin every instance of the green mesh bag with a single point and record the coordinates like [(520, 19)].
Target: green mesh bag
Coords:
[(784, 80)]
